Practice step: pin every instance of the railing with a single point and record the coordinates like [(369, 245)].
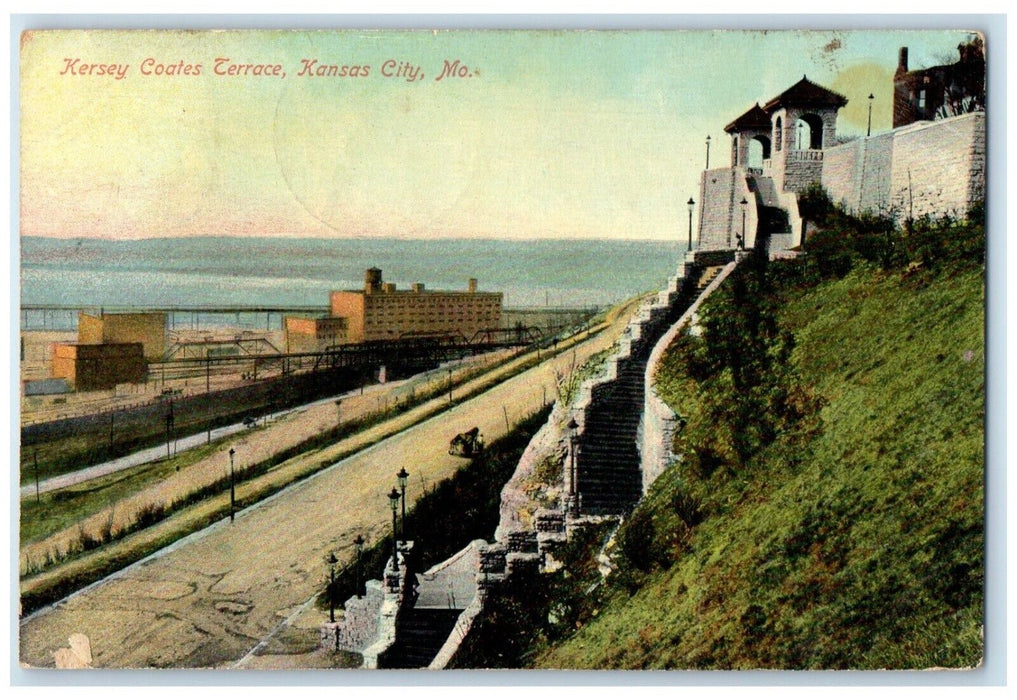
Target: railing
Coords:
[(804, 155)]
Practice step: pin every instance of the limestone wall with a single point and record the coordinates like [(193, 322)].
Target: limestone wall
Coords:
[(939, 167), (856, 174), (720, 221), (369, 623), (924, 168), (359, 627), (717, 204), (803, 168)]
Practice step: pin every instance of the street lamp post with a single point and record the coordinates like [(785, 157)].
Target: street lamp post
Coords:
[(692, 205), (169, 429), (573, 490), (707, 152), (338, 411), (393, 502), (403, 476), (741, 238), (358, 544), (233, 492), (332, 561), (35, 462), (868, 131)]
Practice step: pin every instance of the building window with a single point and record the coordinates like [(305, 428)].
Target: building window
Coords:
[(921, 99), (779, 139)]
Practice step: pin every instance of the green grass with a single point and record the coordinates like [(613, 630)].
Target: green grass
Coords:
[(62, 508), (854, 538)]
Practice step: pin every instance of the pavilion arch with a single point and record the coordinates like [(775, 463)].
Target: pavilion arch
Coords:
[(759, 150), (811, 132)]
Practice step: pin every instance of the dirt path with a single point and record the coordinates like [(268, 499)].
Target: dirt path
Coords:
[(208, 601)]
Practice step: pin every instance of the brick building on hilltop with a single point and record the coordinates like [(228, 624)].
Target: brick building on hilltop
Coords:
[(940, 92), (931, 164)]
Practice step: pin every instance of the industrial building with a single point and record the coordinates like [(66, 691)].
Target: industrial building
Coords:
[(314, 334), (381, 312), (91, 367), (149, 329)]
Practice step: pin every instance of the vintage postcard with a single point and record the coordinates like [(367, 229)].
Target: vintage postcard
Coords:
[(348, 349)]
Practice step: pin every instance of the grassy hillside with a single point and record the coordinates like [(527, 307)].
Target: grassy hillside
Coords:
[(829, 510)]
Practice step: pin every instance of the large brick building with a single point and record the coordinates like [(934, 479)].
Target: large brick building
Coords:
[(381, 312), (314, 334), (91, 367), (149, 329)]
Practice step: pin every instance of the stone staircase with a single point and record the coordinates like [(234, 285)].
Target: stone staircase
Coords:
[(773, 219), (609, 477), (709, 274), (421, 634), (429, 616)]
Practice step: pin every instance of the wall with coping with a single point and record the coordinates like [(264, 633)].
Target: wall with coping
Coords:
[(359, 625), (717, 204), (938, 167), (464, 623), (926, 168)]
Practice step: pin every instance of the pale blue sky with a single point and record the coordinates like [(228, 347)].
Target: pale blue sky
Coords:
[(556, 134)]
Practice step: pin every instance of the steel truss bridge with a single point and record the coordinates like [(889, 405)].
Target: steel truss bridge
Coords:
[(410, 351)]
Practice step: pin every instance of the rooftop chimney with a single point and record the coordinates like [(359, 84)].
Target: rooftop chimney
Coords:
[(472, 285), (902, 60)]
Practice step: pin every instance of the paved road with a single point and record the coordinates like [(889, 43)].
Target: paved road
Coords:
[(210, 600)]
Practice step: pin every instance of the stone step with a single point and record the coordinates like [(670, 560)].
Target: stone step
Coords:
[(420, 634)]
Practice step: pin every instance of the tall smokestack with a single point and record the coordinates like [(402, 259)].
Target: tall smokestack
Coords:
[(902, 60)]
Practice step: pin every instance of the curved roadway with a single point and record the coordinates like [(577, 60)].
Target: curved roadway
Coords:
[(211, 598)]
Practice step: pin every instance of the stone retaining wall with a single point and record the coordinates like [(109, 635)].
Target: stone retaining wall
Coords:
[(926, 168)]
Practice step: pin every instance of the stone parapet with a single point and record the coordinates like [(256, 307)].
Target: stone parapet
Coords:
[(369, 623), (388, 617), (492, 558), (359, 625), (549, 521), (522, 541), (522, 563)]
